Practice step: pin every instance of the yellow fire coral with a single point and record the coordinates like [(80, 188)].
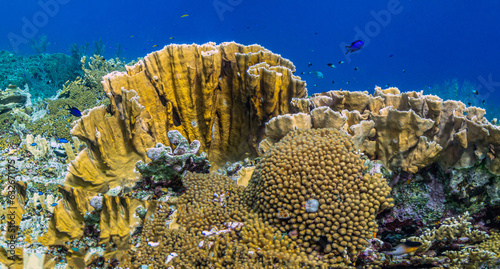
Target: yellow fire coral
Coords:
[(311, 184), (220, 95), (407, 131)]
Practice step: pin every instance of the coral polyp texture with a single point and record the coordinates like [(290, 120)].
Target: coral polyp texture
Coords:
[(220, 95), (312, 185), (406, 131)]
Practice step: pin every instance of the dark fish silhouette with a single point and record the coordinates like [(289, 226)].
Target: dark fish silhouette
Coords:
[(355, 46), (74, 111)]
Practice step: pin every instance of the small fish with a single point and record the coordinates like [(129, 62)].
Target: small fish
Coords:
[(69, 120), (484, 101), (404, 71), (33, 144), (74, 111), (348, 82), (403, 248), (356, 68), (302, 73), (341, 62), (185, 15), (333, 81), (469, 103), (309, 64), (315, 85), (74, 249), (475, 92), (391, 55), (40, 193), (49, 81), (154, 46), (330, 65), (387, 85), (62, 140), (317, 73), (131, 36), (355, 46), (315, 33), (54, 204), (171, 37)]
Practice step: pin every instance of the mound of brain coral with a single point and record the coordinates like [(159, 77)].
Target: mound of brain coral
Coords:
[(311, 185)]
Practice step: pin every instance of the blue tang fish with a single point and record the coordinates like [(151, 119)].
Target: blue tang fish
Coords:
[(356, 45), (62, 140), (74, 111), (54, 204), (40, 192), (33, 144)]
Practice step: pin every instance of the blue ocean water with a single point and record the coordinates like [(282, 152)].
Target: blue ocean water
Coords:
[(414, 45)]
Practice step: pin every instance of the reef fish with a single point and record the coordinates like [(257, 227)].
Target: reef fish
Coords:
[(40, 193), (74, 111), (54, 204), (355, 46), (33, 144), (403, 248), (317, 73), (62, 140)]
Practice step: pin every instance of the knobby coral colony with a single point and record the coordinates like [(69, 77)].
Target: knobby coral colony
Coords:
[(144, 194)]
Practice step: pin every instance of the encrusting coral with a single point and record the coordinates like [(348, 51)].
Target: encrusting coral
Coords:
[(312, 186), (220, 95), (407, 131)]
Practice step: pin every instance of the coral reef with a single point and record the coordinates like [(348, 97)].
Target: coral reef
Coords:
[(168, 167), (132, 187), (43, 73), (453, 244), (407, 131), (319, 168), (11, 98), (220, 95)]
